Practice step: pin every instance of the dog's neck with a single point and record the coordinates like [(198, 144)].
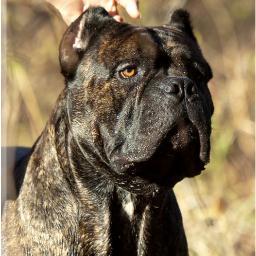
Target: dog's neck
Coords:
[(95, 214), (115, 211)]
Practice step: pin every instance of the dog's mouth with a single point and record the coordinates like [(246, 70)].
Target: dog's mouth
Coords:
[(177, 157)]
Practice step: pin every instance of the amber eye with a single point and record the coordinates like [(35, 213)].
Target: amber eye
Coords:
[(128, 72)]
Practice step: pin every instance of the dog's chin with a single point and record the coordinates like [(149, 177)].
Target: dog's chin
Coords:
[(177, 157)]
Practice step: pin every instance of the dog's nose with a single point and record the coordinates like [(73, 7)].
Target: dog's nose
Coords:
[(179, 87), (190, 88)]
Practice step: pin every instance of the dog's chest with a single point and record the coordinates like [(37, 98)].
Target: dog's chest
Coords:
[(128, 206), (113, 228)]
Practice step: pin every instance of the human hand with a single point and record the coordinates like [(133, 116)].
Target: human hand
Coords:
[(70, 10)]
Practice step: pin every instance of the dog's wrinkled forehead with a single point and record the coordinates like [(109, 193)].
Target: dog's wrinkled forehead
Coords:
[(131, 44), (95, 31)]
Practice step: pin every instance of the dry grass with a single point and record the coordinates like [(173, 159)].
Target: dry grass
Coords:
[(218, 206)]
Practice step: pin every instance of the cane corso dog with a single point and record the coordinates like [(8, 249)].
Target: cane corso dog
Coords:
[(133, 120)]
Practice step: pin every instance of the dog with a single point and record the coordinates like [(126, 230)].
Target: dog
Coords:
[(133, 120)]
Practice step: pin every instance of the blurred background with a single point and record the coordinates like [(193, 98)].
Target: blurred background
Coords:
[(218, 206)]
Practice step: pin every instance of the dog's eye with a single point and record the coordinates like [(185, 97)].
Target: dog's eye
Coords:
[(128, 72)]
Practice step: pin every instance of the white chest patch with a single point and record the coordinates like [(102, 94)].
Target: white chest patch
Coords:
[(128, 206)]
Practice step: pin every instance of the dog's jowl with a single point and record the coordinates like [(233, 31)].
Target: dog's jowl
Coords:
[(133, 119)]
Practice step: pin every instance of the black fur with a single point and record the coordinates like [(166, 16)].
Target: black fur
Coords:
[(99, 179)]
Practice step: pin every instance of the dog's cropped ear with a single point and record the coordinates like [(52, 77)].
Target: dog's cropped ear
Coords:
[(180, 19), (76, 38)]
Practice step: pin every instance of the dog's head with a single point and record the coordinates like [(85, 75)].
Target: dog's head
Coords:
[(138, 99)]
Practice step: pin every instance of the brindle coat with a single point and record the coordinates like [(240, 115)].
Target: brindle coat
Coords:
[(98, 180)]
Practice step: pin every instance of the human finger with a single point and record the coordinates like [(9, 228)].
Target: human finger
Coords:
[(131, 6)]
